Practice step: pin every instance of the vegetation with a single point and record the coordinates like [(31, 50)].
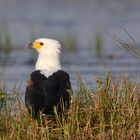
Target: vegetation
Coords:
[(98, 45), (5, 44), (70, 41), (5, 41), (111, 111), (132, 48)]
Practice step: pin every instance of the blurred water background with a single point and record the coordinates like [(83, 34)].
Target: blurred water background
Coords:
[(82, 26)]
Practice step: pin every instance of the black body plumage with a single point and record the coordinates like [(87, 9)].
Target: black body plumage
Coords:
[(45, 93)]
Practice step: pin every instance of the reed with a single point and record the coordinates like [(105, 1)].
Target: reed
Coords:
[(98, 45), (5, 40), (69, 42)]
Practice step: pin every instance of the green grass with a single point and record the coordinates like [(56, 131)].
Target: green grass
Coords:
[(5, 40), (110, 112), (98, 44), (69, 41)]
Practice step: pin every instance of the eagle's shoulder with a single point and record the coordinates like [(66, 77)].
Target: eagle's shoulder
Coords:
[(37, 77), (62, 75), (36, 73)]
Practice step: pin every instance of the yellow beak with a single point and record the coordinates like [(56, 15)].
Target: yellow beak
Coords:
[(36, 45)]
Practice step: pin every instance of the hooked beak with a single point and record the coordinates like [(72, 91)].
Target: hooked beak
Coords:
[(30, 46)]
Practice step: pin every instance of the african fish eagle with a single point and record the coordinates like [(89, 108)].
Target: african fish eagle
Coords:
[(49, 86)]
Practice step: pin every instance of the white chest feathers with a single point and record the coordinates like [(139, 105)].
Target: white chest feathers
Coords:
[(48, 73), (48, 65)]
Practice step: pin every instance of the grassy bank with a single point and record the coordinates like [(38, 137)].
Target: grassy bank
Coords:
[(110, 112)]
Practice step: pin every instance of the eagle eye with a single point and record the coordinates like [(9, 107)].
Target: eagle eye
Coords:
[(41, 43)]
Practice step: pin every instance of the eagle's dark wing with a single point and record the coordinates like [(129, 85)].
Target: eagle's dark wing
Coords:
[(57, 90), (34, 97), (45, 93)]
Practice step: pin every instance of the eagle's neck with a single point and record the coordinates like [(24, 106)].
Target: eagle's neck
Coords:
[(48, 64)]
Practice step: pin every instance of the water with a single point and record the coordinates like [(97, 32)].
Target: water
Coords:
[(53, 19), (84, 62)]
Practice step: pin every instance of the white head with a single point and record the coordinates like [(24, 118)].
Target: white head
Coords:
[(48, 58), (46, 45)]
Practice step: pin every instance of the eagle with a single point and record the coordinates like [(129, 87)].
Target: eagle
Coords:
[(49, 86)]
